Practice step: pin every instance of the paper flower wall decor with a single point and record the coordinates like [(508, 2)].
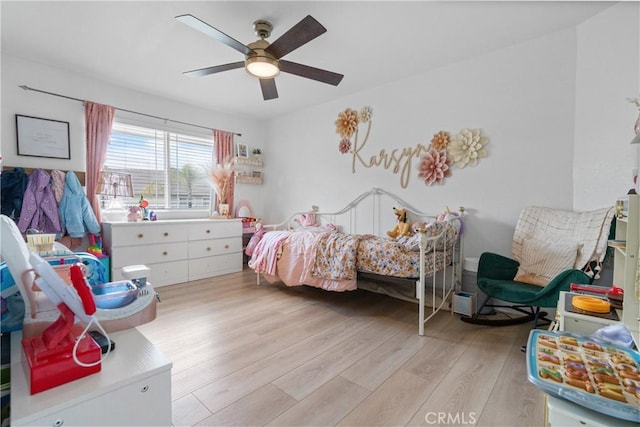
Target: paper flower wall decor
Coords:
[(345, 145), (347, 123), (436, 160), (460, 150), (347, 127), (434, 167), (466, 147), (440, 140)]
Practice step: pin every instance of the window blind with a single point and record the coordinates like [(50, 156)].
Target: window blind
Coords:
[(168, 169)]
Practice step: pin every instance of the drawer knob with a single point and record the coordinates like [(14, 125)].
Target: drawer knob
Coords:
[(166, 234), (208, 231), (164, 253), (208, 248), (226, 246), (144, 389), (140, 236), (58, 422)]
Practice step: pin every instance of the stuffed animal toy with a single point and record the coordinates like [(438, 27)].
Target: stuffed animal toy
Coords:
[(402, 227), (307, 219), (449, 215), (135, 214)]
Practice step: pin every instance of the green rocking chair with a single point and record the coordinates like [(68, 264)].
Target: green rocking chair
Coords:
[(551, 248)]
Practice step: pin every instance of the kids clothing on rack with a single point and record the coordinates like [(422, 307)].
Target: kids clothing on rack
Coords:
[(13, 184), (76, 216), (39, 209)]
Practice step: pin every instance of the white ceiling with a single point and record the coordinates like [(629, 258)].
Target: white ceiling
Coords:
[(141, 46)]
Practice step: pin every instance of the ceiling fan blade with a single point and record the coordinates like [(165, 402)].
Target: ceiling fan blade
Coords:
[(214, 33), (312, 73), (269, 90), (301, 33), (215, 69)]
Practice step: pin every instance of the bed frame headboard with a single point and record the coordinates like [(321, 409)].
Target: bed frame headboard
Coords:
[(369, 213)]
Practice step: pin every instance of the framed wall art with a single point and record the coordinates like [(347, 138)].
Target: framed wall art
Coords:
[(242, 150), (39, 137)]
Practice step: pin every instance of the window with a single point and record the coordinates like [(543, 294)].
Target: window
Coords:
[(168, 169)]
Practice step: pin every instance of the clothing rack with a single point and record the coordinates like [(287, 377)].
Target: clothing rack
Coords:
[(25, 87), (28, 171)]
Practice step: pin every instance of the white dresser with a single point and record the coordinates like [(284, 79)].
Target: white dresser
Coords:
[(176, 251), (132, 389)]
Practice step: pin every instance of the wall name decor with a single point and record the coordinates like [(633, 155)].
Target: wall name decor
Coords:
[(460, 150)]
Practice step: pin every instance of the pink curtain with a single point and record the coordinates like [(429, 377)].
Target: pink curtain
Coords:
[(98, 122), (223, 145)]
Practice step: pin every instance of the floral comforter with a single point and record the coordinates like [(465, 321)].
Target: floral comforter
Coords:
[(331, 260), (336, 254)]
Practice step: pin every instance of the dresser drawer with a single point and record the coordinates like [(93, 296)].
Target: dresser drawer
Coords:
[(146, 233), (145, 403), (162, 274), (204, 248), (148, 254), (201, 268), (214, 229), (168, 273)]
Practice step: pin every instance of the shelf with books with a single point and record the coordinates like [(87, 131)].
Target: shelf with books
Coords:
[(248, 170)]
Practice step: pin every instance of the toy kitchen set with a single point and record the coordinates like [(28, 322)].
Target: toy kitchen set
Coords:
[(77, 357)]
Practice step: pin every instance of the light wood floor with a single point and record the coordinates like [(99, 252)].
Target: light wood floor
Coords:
[(271, 355)]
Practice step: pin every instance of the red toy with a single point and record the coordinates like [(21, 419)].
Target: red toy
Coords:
[(56, 356)]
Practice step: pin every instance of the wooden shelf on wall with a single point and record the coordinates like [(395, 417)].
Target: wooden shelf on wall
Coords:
[(248, 180), (249, 161)]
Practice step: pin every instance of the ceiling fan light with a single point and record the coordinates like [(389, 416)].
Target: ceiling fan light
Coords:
[(262, 67)]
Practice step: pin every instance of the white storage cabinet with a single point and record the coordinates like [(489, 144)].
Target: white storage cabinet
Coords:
[(132, 389), (176, 251)]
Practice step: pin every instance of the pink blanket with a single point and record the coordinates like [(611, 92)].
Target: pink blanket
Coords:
[(296, 260), (265, 254)]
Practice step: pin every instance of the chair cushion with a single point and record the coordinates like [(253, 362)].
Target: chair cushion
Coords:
[(512, 291), (543, 260)]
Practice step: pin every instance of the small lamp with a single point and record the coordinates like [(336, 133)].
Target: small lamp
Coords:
[(115, 184)]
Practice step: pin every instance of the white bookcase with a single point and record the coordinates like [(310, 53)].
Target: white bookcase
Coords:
[(625, 263)]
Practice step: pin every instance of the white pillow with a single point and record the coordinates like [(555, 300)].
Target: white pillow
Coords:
[(542, 260)]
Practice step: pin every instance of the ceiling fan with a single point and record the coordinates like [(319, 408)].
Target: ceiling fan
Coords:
[(263, 59)]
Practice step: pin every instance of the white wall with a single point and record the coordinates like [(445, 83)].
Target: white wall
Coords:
[(17, 71), (608, 73), (521, 97)]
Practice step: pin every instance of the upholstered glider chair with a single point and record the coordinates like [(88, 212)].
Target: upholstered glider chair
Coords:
[(551, 249)]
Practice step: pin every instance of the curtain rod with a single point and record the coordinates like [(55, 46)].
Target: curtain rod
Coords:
[(25, 87)]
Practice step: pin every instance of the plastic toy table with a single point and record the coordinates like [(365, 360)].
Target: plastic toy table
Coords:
[(589, 373)]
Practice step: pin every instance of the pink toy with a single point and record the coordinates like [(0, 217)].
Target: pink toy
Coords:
[(307, 219), (135, 214)]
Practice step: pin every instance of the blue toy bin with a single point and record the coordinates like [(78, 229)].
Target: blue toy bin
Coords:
[(114, 294), (591, 373)]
